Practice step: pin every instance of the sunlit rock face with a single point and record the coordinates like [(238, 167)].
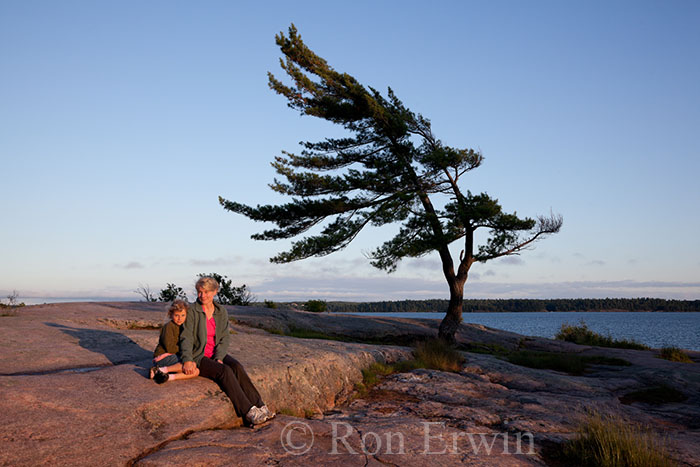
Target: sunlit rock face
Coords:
[(75, 390)]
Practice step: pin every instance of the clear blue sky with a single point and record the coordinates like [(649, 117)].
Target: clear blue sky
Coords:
[(122, 122)]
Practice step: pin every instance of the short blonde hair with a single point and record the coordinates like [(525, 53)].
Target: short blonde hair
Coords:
[(177, 305), (208, 283)]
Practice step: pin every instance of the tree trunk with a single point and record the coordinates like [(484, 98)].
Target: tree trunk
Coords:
[(453, 317)]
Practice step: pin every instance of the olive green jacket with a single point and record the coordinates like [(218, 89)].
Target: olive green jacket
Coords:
[(169, 337), (193, 337)]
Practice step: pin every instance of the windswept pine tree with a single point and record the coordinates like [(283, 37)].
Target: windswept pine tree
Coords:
[(390, 169)]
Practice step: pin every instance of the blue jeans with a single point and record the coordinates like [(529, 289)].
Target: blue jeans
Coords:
[(167, 361)]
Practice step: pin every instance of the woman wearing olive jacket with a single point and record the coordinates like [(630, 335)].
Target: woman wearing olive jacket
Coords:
[(204, 343)]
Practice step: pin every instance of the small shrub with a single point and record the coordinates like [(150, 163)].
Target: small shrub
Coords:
[(316, 306), (270, 304), (171, 292), (230, 295), (656, 395), (612, 442), (675, 354), (582, 335), (437, 354)]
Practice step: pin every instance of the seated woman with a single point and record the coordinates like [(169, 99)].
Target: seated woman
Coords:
[(204, 343)]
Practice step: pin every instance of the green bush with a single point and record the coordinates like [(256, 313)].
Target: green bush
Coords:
[(230, 295), (581, 334), (316, 306), (675, 354), (171, 292), (270, 304), (612, 442)]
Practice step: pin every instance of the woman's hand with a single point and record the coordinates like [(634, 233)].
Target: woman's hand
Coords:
[(189, 368)]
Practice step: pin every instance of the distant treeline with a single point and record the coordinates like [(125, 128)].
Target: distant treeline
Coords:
[(521, 305)]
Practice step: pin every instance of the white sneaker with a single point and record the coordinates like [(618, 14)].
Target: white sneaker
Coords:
[(268, 414), (256, 415)]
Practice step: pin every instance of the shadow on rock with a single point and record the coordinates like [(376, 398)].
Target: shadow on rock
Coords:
[(117, 347)]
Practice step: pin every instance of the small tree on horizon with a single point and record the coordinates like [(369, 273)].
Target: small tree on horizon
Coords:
[(389, 170), (145, 292), (229, 294), (171, 292)]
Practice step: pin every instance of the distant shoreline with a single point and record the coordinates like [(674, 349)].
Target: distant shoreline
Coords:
[(530, 311), (439, 306), (615, 305)]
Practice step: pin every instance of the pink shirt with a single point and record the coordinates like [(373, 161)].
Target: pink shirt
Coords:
[(211, 338)]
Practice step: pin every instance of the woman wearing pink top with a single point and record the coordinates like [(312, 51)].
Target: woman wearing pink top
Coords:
[(204, 345)]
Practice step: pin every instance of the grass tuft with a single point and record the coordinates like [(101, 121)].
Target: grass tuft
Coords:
[(565, 362), (484, 348), (305, 333), (142, 325), (308, 334), (433, 354), (581, 334), (607, 441), (288, 411), (675, 354), (437, 354), (10, 309), (372, 375)]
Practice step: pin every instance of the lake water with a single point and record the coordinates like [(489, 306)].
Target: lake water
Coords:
[(653, 329)]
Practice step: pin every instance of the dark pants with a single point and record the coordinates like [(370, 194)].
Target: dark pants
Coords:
[(234, 381)]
